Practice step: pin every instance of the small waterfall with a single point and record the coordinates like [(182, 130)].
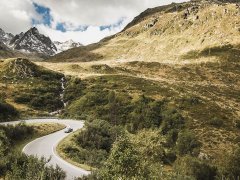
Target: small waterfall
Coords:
[(63, 81), (63, 90)]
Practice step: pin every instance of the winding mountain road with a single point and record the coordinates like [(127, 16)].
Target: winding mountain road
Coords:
[(46, 146)]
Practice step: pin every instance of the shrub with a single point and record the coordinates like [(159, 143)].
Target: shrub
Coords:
[(23, 98), (99, 134), (187, 143), (4, 144), (230, 168), (172, 120), (17, 132), (238, 124), (171, 138), (146, 113), (28, 167), (94, 143), (216, 122), (74, 89), (193, 167), (124, 162), (7, 112)]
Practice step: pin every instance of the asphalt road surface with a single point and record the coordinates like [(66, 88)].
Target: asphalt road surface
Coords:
[(46, 146)]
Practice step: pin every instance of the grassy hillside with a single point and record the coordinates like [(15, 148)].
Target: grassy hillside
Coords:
[(161, 98), (164, 34), (31, 89), (166, 89)]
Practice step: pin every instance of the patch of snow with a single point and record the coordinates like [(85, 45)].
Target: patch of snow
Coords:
[(64, 46)]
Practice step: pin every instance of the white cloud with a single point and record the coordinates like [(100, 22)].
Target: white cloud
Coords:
[(16, 16), (91, 35), (97, 12)]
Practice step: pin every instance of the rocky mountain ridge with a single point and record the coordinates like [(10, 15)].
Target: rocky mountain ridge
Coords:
[(5, 37), (34, 42)]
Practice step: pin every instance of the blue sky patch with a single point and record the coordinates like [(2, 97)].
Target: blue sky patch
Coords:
[(44, 12), (61, 27), (82, 28), (119, 23), (47, 19)]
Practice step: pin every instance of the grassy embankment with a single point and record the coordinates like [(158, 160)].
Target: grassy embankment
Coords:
[(34, 91)]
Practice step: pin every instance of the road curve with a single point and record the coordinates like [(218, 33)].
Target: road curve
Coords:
[(46, 146)]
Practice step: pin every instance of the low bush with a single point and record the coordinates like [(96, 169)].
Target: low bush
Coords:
[(94, 143), (172, 120), (195, 169), (41, 98), (238, 124), (124, 162), (230, 168), (216, 122), (74, 89), (22, 167), (187, 143), (121, 109), (7, 112)]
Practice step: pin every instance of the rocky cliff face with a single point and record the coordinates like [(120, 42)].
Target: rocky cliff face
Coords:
[(34, 42), (5, 37)]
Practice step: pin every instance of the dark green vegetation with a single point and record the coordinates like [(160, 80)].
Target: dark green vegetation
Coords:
[(33, 90), (182, 126), (93, 144), (7, 112), (14, 164), (149, 120)]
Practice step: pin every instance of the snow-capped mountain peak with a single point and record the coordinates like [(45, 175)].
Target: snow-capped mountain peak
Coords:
[(5, 37), (63, 46), (34, 42)]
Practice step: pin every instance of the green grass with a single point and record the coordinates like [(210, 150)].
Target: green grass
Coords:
[(66, 142), (32, 89)]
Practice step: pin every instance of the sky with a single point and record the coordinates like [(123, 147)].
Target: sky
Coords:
[(84, 21)]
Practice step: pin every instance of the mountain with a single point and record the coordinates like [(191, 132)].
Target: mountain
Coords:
[(33, 42), (167, 33), (16, 39), (63, 46), (5, 51), (5, 37)]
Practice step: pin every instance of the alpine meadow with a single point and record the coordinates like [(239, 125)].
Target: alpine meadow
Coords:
[(152, 96)]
